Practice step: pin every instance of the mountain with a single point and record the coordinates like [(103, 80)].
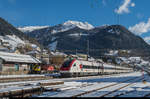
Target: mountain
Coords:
[(73, 35), (11, 37)]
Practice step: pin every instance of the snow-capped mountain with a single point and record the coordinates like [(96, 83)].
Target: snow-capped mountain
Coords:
[(82, 25), (31, 28), (59, 28), (72, 24), (73, 35)]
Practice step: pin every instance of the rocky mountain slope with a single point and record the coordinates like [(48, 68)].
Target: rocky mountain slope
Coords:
[(11, 37)]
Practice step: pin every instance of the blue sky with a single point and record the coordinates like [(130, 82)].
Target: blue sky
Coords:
[(96, 12)]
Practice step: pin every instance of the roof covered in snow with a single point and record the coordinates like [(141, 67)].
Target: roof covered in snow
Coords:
[(58, 53), (33, 52), (13, 57)]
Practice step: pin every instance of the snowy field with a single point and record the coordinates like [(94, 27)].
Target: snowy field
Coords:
[(20, 76)]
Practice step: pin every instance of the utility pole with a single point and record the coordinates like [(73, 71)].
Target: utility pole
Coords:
[(76, 51), (48, 58), (118, 20), (42, 56), (87, 49), (117, 15)]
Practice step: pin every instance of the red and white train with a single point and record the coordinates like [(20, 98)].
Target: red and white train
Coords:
[(75, 67)]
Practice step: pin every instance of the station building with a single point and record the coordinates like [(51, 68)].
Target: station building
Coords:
[(12, 63)]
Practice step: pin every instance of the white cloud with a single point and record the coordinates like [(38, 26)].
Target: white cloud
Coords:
[(11, 1), (147, 39), (141, 28), (124, 8), (132, 4), (139, 15), (104, 2)]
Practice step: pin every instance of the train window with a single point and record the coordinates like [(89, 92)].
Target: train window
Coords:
[(74, 65), (84, 66), (67, 63)]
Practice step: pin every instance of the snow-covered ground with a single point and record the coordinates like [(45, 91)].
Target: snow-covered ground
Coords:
[(122, 85), (15, 76), (132, 88)]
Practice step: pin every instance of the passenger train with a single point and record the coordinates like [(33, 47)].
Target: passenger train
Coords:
[(76, 67)]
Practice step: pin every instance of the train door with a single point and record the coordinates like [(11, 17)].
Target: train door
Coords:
[(94, 70), (102, 69), (76, 68), (0, 65), (81, 69), (16, 67), (99, 68)]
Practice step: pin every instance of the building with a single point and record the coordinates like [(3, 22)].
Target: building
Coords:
[(12, 63), (4, 49), (35, 54)]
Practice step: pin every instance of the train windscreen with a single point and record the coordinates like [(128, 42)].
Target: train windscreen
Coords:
[(67, 63)]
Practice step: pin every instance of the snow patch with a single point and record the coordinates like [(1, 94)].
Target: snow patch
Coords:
[(111, 31), (78, 34), (12, 40), (82, 25), (53, 38), (34, 46), (31, 28), (53, 46), (58, 53)]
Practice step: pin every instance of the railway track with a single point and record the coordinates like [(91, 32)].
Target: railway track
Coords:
[(36, 78), (140, 93), (19, 79), (147, 95), (107, 93), (118, 94), (82, 90), (112, 93)]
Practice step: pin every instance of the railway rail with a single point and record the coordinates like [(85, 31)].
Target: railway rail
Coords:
[(98, 89), (118, 94), (87, 92), (84, 90), (7, 81), (113, 89), (17, 79)]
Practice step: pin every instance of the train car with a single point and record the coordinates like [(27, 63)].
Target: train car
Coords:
[(47, 69), (75, 67), (35, 69)]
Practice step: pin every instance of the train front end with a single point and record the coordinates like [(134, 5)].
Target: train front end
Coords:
[(65, 69)]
